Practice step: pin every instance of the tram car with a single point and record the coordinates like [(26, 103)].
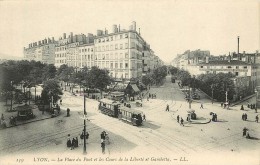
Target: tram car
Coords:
[(131, 115), (109, 107), (112, 108)]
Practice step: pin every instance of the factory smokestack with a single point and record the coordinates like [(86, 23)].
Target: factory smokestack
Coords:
[(238, 56)]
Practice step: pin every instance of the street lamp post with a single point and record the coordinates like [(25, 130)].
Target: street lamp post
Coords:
[(29, 94), (189, 98), (85, 113), (35, 94), (256, 95), (51, 103), (11, 95), (226, 96)]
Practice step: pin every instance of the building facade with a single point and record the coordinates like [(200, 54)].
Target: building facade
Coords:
[(43, 51), (123, 52)]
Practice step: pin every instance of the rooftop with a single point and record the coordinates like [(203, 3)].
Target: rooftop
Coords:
[(225, 62)]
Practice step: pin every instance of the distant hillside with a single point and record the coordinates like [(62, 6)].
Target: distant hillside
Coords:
[(9, 57)]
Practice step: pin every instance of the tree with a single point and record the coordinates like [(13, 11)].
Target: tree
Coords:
[(147, 79), (159, 74), (51, 88), (222, 82), (99, 78), (49, 72), (184, 76), (173, 70)]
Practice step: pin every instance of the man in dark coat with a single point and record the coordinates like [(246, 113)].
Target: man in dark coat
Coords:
[(68, 141), (182, 121), (178, 118), (167, 107), (73, 144), (244, 131), (68, 112), (76, 142), (103, 146)]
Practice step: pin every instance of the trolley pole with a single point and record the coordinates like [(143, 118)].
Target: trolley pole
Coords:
[(85, 147), (256, 96), (226, 95), (35, 94), (189, 98)]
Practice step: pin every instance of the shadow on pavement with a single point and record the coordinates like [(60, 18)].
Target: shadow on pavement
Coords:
[(254, 138), (148, 124)]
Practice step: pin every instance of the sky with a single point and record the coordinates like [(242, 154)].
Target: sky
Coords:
[(170, 27)]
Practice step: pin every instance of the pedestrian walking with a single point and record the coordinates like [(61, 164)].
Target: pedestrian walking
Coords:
[(256, 118), (103, 135), (213, 117), (60, 101), (167, 108), (182, 122), (244, 131), (248, 105), (87, 135), (144, 119), (247, 134), (68, 141), (76, 142), (242, 107), (81, 137), (201, 106), (243, 116), (221, 104), (178, 118), (103, 146), (68, 112), (216, 117), (73, 144)]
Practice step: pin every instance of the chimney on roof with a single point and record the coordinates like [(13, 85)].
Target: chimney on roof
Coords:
[(114, 28), (134, 25), (207, 59), (119, 28), (255, 56), (238, 56), (64, 35), (229, 58), (71, 37)]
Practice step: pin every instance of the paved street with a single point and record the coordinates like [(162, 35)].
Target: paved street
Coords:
[(159, 135)]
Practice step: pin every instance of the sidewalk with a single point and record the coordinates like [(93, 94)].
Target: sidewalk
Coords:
[(8, 114), (242, 100)]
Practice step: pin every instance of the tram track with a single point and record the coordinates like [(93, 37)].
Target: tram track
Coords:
[(76, 129)]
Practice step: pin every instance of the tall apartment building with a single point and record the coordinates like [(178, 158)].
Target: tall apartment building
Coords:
[(43, 51), (76, 51), (121, 52)]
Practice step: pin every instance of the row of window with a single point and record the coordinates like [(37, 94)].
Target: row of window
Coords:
[(86, 50), (111, 65), (112, 47), (111, 38), (222, 67)]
